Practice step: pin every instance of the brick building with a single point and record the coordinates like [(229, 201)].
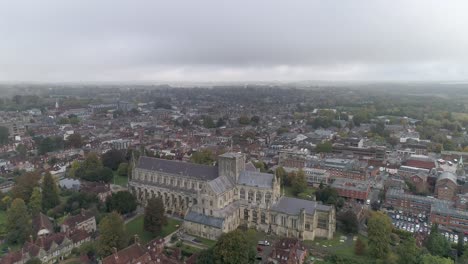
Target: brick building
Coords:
[(352, 189)]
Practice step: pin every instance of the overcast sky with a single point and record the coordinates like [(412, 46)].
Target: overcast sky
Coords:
[(239, 40)]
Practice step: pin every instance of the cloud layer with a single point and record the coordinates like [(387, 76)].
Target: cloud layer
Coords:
[(212, 40)]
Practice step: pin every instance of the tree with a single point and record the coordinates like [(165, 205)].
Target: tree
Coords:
[(18, 222), (22, 150), (233, 248), (154, 216), (122, 202), (299, 183), (208, 122), (204, 156), (112, 158), (50, 195), (112, 234), (4, 134), (99, 175), (359, 247), (436, 244), (260, 165), (244, 120), (74, 141), (348, 222), (123, 169), (379, 230), (408, 252), (255, 120), (25, 184), (430, 259), (205, 257), (325, 147), (35, 203), (281, 173)]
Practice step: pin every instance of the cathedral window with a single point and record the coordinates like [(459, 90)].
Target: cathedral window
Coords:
[(254, 216), (263, 218), (259, 197), (283, 221), (246, 214), (267, 198), (242, 194), (251, 196), (294, 223), (211, 203)]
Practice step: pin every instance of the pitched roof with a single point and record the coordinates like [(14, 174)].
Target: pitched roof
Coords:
[(256, 179), (293, 206), (125, 255), (40, 222), (202, 172), (204, 219), (74, 220), (221, 184)]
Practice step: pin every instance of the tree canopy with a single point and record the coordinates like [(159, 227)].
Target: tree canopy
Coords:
[(154, 218), (112, 234), (204, 156), (18, 222), (122, 202), (112, 158), (233, 248), (379, 230), (50, 193)]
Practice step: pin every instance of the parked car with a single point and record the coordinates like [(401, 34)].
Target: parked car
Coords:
[(263, 243)]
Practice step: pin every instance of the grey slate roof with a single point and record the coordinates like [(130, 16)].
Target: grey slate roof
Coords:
[(256, 179), (204, 219), (202, 172), (221, 184), (293, 206)]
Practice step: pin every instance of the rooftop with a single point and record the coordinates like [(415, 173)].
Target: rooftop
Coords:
[(293, 206)]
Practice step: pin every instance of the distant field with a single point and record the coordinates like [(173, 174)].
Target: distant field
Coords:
[(460, 116)]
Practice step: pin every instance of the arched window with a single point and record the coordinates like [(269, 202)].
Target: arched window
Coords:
[(268, 198), (254, 216), (242, 194), (251, 196), (263, 218), (246, 214), (259, 197)]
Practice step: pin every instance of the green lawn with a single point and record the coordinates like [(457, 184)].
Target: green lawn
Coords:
[(206, 242), (120, 180), (135, 227), (288, 192)]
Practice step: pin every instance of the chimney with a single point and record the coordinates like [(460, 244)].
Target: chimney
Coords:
[(116, 256)]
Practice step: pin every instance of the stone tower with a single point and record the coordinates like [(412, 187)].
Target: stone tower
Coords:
[(231, 164)]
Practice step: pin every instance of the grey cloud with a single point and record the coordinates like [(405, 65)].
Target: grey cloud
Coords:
[(232, 40)]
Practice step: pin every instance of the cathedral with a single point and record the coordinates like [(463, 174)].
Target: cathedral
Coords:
[(217, 199)]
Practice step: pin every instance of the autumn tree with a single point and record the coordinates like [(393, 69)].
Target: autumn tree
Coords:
[(359, 247), (112, 234), (50, 193), (154, 219), (18, 222), (379, 230)]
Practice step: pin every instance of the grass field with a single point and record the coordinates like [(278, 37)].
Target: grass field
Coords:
[(120, 180), (288, 191), (135, 227)]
